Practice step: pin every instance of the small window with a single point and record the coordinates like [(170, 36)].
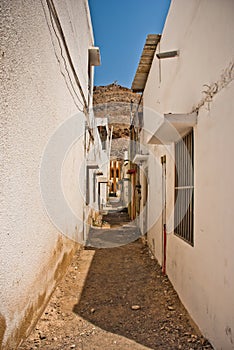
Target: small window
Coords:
[(184, 188)]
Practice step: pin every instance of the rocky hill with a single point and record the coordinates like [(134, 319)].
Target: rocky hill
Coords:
[(119, 104)]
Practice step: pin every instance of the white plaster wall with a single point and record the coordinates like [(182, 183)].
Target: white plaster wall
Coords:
[(74, 187), (100, 157), (203, 274), (36, 97), (79, 35), (154, 234), (202, 31)]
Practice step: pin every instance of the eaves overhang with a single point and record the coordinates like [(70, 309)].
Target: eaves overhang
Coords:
[(102, 179), (145, 63), (172, 128), (92, 164), (139, 158)]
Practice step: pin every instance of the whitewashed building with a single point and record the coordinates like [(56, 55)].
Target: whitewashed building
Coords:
[(188, 92), (97, 170), (46, 71)]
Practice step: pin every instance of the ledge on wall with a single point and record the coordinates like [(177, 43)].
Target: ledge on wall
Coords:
[(94, 56), (173, 127), (139, 159)]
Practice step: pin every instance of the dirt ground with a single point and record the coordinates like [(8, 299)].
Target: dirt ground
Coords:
[(115, 298)]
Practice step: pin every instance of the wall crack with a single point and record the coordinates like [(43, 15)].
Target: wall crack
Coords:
[(211, 90)]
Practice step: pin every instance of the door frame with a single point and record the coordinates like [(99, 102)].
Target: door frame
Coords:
[(164, 227)]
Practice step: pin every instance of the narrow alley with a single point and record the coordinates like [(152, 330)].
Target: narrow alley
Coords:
[(115, 298), (122, 231), (116, 186)]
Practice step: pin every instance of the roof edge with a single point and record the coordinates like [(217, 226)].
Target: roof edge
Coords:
[(145, 62)]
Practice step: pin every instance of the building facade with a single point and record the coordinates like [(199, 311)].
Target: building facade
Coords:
[(46, 68), (188, 127)]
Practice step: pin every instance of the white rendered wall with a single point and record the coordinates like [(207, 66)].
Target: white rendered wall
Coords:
[(35, 100), (203, 274)]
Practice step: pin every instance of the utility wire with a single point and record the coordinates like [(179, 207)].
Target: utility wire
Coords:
[(53, 11), (54, 18), (58, 59)]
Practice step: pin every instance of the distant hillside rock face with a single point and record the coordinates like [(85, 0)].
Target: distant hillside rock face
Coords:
[(114, 93), (118, 103)]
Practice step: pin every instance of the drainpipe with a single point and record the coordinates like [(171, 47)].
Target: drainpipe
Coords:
[(164, 249), (164, 228), (109, 152)]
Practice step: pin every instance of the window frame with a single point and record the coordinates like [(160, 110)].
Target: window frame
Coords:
[(184, 189)]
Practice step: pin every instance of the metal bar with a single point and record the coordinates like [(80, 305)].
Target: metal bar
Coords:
[(183, 187)]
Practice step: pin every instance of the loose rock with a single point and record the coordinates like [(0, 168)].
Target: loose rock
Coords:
[(135, 307)]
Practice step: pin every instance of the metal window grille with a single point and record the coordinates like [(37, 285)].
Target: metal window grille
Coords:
[(184, 188)]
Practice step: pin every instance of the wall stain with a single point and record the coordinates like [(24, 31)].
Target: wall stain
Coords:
[(62, 266), (228, 331), (2, 328), (27, 323), (55, 269)]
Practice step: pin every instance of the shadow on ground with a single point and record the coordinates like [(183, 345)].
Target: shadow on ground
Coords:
[(125, 278)]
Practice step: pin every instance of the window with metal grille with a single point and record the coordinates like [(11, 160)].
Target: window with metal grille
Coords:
[(184, 188)]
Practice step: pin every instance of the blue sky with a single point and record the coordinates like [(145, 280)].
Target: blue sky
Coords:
[(120, 29)]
